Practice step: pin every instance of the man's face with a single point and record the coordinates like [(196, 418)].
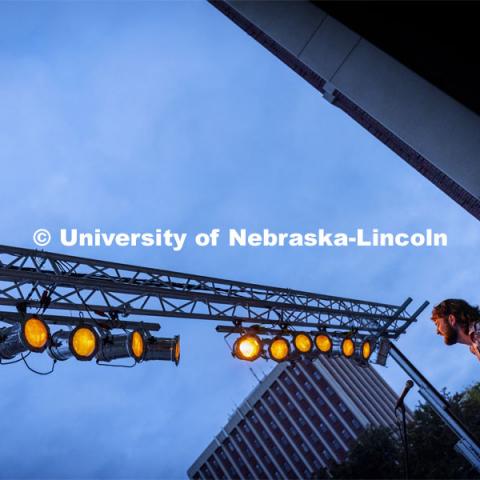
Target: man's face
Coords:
[(446, 329)]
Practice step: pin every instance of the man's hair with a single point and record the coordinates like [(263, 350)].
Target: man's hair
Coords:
[(464, 312)]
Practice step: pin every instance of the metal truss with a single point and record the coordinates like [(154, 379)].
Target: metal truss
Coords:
[(32, 279)]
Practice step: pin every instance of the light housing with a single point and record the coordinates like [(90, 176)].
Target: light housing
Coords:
[(248, 347), (31, 335), (323, 342), (279, 349), (162, 349), (348, 347), (82, 343), (302, 343), (113, 347)]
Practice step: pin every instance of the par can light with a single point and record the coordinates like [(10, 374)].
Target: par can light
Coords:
[(82, 342), (279, 349), (323, 343), (163, 349), (348, 347), (30, 335), (302, 342), (113, 347), (248, 347)]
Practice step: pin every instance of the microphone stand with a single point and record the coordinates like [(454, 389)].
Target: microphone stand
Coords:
[(403, 436)]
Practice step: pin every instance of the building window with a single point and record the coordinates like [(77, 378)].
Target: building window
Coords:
[(326, 454), (310, 411), (320, 400), (288, 381), (290, 405), (298, 395), (301, 421), (307, 385), (292, 431), (332, 417), (355, 424), (323, 428), (317, 375), (304, 447), (295, 457), (316, 464), (336, 445), (273, 425), (261, 408), (342, 407), (281, 415), (287, 467), (345, 434), (329, 390), (283, 441)]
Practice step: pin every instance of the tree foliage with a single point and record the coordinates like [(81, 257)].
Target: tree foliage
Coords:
[(378, 452)]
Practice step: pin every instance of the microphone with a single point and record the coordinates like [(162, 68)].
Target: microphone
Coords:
[(408, 386)]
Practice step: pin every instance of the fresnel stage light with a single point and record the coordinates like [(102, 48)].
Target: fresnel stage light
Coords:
[(279, 349), (113, 347), (303, 343), (348, 347), (323, 343), (82, 342), (248, 347), (162, 349), (31, 335)]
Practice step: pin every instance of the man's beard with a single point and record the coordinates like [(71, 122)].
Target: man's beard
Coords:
[(450, 337)]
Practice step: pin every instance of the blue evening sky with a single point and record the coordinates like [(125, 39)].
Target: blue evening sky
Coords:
[(135, 116)]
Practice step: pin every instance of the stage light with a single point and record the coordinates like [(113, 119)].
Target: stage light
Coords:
[(162, 349), (302, 343), (366, 350), (279, 349), (30, 335), (248, 347), (348, 347), (113, 347), (82, 342), (323, 342)]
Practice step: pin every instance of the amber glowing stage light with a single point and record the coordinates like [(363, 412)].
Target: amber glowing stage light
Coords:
[(137, 345), (366, 350), (323, 343), (279, 349), (348, 347), (248, 347), (30, 335), (163, 349), (82, 342), (303, 343), (113, 347)]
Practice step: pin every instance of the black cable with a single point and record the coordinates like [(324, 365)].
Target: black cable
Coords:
[(36, 371), (14, 361), (121, 366)]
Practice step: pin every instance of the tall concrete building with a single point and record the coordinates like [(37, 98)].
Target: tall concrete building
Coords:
[(300, 418), (393, 67)]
